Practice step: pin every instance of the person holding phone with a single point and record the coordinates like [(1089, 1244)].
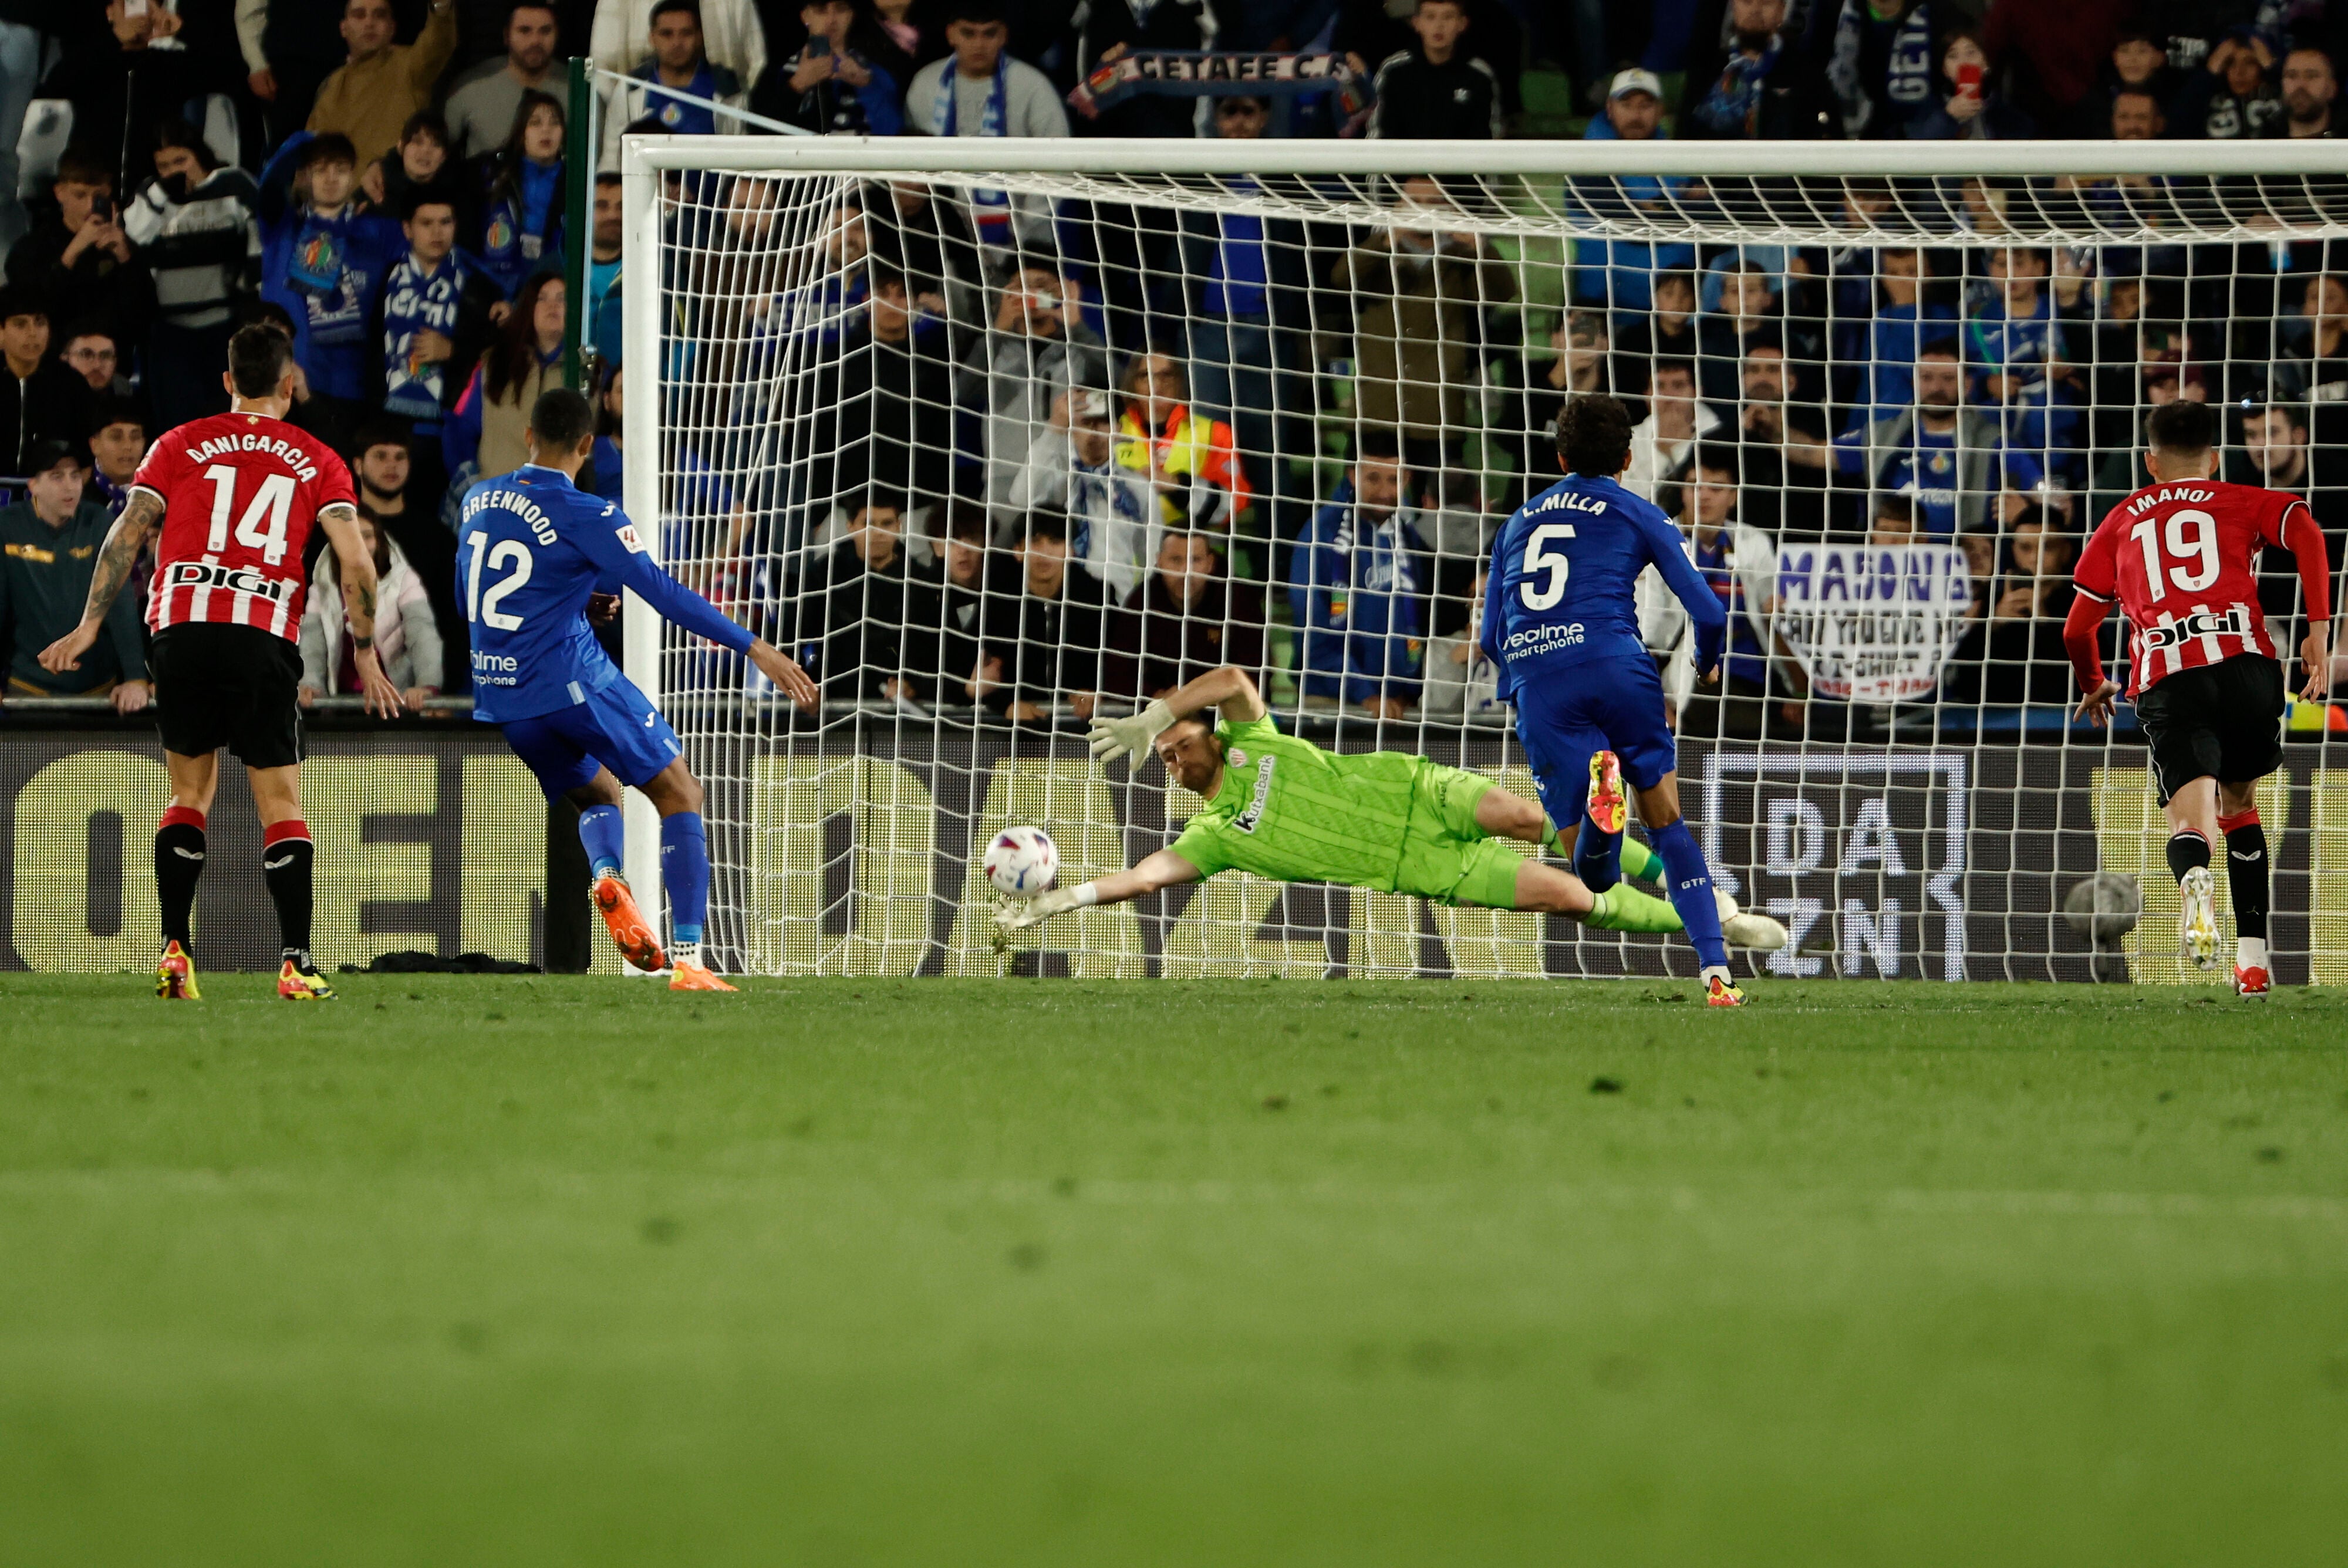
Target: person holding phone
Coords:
[(843, 80), (78, 255), (1970, 108)]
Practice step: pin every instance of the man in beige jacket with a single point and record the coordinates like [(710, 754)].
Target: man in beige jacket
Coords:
[(382, 83)]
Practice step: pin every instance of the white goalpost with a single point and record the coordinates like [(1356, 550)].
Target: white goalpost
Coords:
[(994, 435)]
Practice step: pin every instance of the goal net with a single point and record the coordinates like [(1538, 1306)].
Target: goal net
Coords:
[(997, 436)]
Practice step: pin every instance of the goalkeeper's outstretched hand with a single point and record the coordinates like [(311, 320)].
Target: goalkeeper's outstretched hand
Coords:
[(1131, 736), (1027, 913)]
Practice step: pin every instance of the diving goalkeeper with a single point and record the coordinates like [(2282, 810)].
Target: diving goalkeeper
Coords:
[(1280, 806)]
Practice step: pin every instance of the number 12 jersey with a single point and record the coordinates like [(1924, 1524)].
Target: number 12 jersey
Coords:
[(240, 492), (2179, 557)]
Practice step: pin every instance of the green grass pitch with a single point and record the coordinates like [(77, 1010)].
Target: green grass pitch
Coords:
[(525, 1271)]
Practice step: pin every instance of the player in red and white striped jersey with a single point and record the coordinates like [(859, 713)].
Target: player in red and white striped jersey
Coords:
[(235, 496), (240, 492), (2179, 557)]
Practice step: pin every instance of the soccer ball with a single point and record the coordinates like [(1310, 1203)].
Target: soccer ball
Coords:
[(2104, 908), (1022, 861)]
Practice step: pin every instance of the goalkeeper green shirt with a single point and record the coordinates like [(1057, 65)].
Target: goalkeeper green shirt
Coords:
[(1289, 810)]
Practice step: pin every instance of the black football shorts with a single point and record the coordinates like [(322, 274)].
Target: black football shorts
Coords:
[(2221, 721), (235, 686)]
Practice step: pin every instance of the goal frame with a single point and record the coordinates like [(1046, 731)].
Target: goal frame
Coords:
[(647, 160)]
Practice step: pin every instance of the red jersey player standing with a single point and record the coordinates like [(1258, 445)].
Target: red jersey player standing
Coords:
[(236, 496), (2208, 687)]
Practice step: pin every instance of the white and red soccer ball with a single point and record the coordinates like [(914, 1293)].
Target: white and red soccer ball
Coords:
[(1022, 861)]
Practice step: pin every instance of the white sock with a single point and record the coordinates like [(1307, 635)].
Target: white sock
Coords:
[(679, 954), (2250, 952), (1716, 972)]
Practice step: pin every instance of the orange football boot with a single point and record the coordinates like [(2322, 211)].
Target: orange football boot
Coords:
[(638, 942)]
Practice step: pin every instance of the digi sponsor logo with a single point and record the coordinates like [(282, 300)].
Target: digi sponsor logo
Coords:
[(235, 579), (2227, 622)]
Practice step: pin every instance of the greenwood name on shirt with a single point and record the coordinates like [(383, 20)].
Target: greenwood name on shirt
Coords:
[(2179, 557), (531, 548), (240, 492)]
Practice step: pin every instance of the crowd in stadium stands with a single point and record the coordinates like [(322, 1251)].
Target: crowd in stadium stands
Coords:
[(1075, 452)]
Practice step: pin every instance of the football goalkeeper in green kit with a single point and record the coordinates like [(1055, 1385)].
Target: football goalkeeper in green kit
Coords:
[(1281, 807)]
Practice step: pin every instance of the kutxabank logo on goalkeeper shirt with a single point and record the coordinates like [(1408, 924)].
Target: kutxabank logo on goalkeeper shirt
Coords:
[(1247, 820), (1870, 846)]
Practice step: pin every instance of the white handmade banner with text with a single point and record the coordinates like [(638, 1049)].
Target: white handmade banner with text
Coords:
[(1871, 623)]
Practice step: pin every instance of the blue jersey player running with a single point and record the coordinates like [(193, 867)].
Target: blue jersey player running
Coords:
[(1560, 627), (532, 549)]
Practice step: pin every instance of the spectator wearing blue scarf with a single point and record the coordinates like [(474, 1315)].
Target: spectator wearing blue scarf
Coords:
[(434, 317), (323, 261), (847, 79), (522, 214), (1881, 65), (1754, 83)]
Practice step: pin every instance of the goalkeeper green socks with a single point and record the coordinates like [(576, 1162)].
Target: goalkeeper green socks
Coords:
[(1622, 907), (1637, 860)]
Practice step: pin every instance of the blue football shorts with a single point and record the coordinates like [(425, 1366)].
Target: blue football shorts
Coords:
[(1608, 704), (616, 728)]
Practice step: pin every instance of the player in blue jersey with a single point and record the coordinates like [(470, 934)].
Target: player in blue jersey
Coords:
[(532, 549), (1562, 630)]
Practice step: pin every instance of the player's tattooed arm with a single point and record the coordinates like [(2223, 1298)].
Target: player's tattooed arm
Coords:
[(341, 522), (117, 559)]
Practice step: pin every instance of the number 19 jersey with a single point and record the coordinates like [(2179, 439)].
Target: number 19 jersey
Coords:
[(2179, 557), (240, 492)]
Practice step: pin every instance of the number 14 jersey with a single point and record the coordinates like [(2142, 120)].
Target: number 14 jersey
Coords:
[(2179, 557), (240, 492)]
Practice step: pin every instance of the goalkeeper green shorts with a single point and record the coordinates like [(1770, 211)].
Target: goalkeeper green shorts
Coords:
[(1445, 855)]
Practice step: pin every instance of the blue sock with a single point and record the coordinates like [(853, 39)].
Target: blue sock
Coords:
[(1597, 856), (1689, 882), (604, 832), (684, 871)]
